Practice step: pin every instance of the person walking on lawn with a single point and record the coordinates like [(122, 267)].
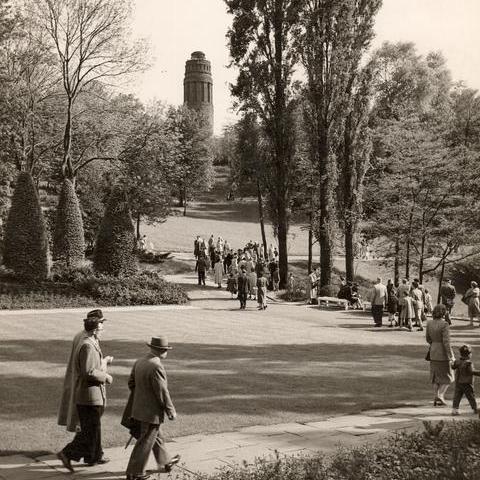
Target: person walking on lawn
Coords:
[(148, 404), (242, 283), (84, 395), (378, 298)]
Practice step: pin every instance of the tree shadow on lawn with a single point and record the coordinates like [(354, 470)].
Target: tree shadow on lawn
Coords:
[(246, 211), (225, 379)]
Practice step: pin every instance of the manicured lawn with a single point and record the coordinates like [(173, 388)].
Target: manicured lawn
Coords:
[(228, 368)]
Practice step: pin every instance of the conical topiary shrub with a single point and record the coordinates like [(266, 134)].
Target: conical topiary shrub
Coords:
[(115, 246), (26, 243), (68, 240)]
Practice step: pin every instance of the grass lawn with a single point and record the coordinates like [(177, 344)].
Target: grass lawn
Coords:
[(228, 368)]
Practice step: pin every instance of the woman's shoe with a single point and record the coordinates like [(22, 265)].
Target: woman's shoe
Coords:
[(441, 402)]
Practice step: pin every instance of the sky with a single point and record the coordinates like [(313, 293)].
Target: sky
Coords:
[(176, 28)]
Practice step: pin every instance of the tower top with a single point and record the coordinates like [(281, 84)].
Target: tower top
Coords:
[(198, 56)]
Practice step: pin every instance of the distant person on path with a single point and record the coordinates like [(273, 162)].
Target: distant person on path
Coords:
[(378, 298), (242, 282), (232, 285), (447, 295), (417, 297), (290, 285), (464, 372), (84, 395), (428, 303), (314, 278), (472, 300), (407, 312), (440, 354), (262, 291), (402, 289), (392, 302), (270, 253), (276, 278), (149, 403), (218, 271), (202, 267), (196, 247)]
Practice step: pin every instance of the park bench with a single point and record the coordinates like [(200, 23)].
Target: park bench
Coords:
[(332, 301)]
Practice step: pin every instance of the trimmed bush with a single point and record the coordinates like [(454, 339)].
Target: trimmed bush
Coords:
[(68, 241), (26, 249), (115, 247)]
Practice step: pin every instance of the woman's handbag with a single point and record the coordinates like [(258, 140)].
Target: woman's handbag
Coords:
[(427, 356), (465, 299)]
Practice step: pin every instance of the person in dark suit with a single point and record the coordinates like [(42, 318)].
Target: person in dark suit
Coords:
[(149, 403), (242, 282), (85, 380)]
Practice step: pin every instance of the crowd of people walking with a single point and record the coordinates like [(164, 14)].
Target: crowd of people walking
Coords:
[(248, 271)]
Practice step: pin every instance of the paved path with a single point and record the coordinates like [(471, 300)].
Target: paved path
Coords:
[(207, 453)]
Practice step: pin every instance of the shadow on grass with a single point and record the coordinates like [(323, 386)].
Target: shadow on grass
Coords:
[(221, 379), (236, 211)]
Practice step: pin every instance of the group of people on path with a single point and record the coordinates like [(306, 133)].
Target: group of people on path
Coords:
[(250, 273), (84, 399)]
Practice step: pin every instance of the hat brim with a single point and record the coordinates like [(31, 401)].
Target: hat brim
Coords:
[(159, 348)]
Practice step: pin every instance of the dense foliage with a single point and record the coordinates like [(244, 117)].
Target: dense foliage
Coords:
[(68, 243), (26, 249), (115, 247)]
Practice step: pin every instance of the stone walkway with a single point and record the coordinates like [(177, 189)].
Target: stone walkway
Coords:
[(204, 454)]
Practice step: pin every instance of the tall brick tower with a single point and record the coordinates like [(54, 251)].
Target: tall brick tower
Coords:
[(198, 86)]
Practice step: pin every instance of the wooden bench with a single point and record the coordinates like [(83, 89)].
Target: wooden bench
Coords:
[(332, 301)]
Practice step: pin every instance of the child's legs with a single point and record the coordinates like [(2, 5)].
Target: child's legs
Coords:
[(470, 394), (457, 397)]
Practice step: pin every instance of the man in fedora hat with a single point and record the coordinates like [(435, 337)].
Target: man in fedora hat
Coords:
[(84, 396), (148, 403)]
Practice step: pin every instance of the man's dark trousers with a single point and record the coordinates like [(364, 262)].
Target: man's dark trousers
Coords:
[(201, 277), (87, 443), (377, 313)]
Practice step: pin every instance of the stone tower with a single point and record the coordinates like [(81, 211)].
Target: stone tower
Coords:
[(198, 86)]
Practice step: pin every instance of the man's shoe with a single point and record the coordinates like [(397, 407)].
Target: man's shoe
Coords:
[(65, 461), (138, 477), (172, 463), (101, 461)]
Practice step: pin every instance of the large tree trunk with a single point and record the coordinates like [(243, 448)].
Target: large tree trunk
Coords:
[(184, 196), (396, 265), (325, 234), (422, 259), (67, 165), (440, 280), (260, 217), (138, 225), (349, 232), (310, 250)]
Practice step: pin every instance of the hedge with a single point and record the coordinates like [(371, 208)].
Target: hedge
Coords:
[(68, 241), (115, 247), (439, 453), (26, 249)]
